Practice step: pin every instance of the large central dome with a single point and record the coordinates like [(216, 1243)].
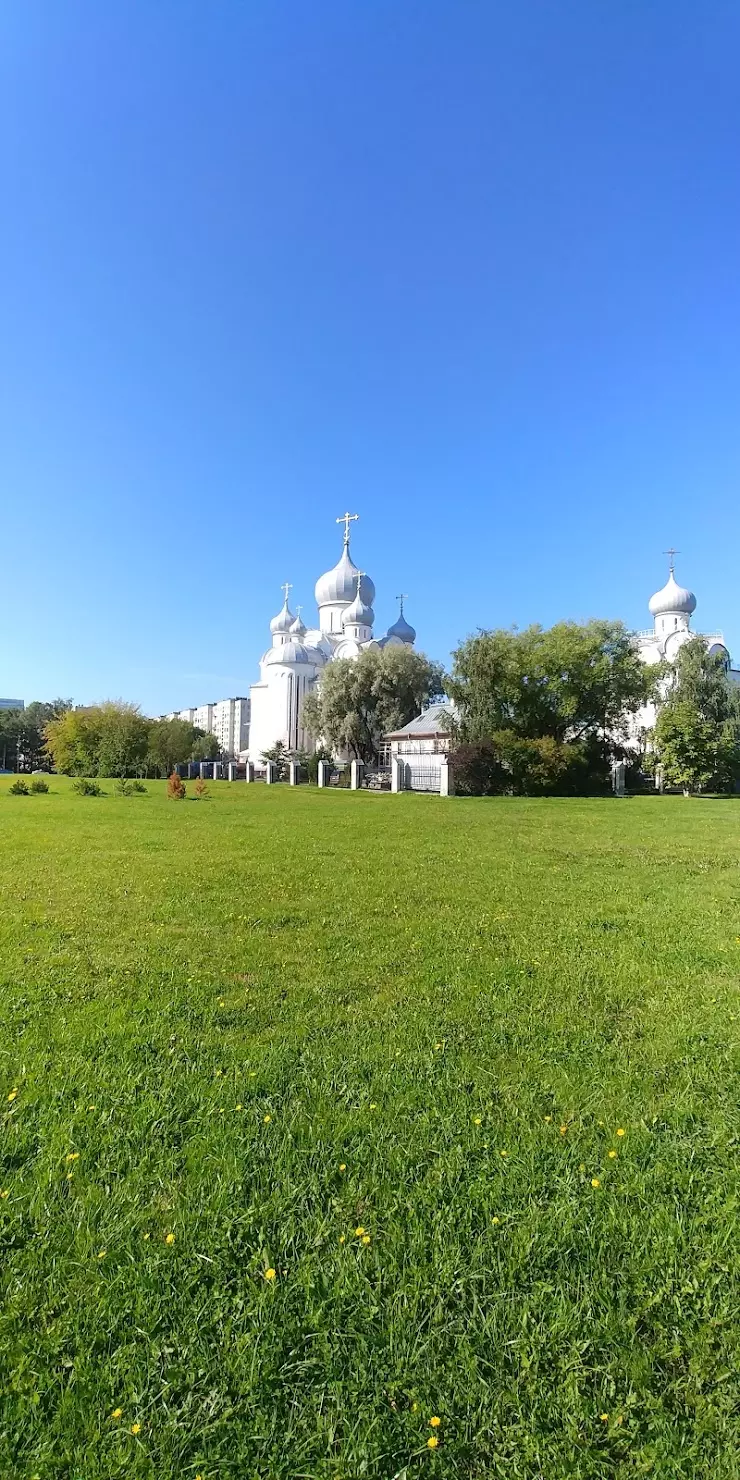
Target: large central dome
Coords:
[(340, 584), (672, 598)]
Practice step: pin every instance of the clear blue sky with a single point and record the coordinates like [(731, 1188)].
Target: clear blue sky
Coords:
[(470, 268)]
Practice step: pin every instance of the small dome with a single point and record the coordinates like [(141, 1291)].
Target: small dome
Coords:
[(672, 598), (284, 619), (358, 613), (403, 629), (298, 627), (289, 653), (340, 584)]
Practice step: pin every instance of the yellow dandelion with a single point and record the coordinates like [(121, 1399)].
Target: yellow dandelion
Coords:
[(366, 1239), (604, 1417), (342, 1166), (359, 1232), (102, 1253), (12, 1096), (621, 1131), (496, 1222), (270, 1274), (595, 1182), (563, 1129), (5, 1192), (221, 1002), (92, 1107), (253, 1073), (147, 1235), (435, 1422), (477, 1120), (267, 1119), (73, 1156), (503, 1153), (612, 1155), (373, 1106), (548, 1120), (136, 1428), (69, 1176), (117, 1413), (437, 1047), (170, 1239), (432, 1442), (414, 1407), (342, 1239), (239, 1107)]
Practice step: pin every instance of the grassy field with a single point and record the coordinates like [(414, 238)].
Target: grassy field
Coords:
[(333, 1125)]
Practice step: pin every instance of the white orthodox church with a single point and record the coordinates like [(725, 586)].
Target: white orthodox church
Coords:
[(672, 609), (298, 655)]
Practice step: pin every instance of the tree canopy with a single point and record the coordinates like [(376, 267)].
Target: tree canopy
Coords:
[(568, 682), (358, 700), (697, 732), (116, 739), (22, 737)]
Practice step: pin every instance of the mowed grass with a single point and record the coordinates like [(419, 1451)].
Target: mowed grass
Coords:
[(463, 1074)]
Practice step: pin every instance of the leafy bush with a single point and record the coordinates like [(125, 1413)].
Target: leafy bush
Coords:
[(122, 787), (139, 787), (38, 784), (508, 764), (87, 788), (176, 787), (18, 788), (200, 789)]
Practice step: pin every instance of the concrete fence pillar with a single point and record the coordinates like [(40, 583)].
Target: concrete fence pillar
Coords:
[(355, 775), (192, 769), (202, 770), (659, 779), (270, 772), (232, 770), (396, 774), (618, 775), (321, 775), (249, 771), (293, 772), (217, 770), (446, 779)]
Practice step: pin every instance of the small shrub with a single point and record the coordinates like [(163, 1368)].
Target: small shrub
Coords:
[(200, 789), (19, 788), (87, 788), (176, 787), (139, 787), (478, 770), (122, 787), (38, 784)]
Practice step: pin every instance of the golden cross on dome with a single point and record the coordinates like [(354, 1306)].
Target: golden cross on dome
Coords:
[(346, 520), (288, 586), (670, 553)]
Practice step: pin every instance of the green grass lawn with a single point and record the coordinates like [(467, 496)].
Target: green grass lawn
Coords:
[(499, 1037)]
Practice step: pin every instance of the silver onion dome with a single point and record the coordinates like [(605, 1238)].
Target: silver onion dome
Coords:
[(298, 627), (284, 619), (672, 598), (358, 613), (289, 654), (340, 583)]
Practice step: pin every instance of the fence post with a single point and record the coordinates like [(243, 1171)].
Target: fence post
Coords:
[(249, 771), (446, 779), (355, 775), (618, 772), (396, 774), (293, 772), (321, 774), (270, 770), (202, 770), (232, 771), (217, 770)]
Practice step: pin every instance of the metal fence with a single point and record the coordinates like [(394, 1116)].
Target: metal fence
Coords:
[(422, 773)]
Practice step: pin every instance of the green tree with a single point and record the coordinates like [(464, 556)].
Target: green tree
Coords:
[(107, 739), (31, 725), (571, 682), (170, 744), (696, 739), (205, 747), (358, 700), (9, 731)]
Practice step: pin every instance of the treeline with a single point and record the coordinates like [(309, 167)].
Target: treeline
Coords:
[(549, 711), (116, 739)]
